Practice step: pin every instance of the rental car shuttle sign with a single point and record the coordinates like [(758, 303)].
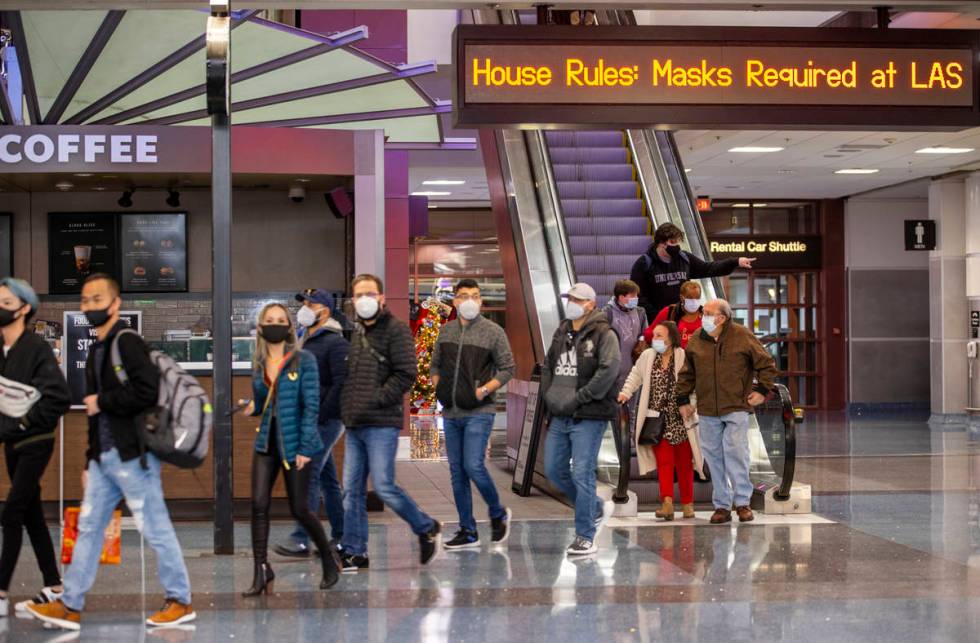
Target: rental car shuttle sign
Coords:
[(716, 77)]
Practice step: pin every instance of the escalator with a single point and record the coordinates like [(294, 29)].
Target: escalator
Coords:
[(582, 206)]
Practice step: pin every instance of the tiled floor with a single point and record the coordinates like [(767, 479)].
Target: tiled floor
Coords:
[(892, 553)]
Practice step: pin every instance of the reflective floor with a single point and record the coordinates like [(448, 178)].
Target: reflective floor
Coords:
[(892, 553)]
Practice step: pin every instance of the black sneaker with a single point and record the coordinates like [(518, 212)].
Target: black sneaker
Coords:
[(351, 563), (500, 528), (292, 550), (581, 547), (463, 539), (430, 543)]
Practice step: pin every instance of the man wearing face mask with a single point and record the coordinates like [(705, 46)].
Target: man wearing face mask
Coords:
[(117, 467), (470, 362), (731, 373), (664, 267), (324, 339), (381, 368), (27, 429), (628, 319), (578, 385)]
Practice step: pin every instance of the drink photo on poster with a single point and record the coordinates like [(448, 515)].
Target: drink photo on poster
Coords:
[(153, 252), (80, 243)]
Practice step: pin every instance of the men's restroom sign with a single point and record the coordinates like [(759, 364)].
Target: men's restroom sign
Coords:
[(920, 234)]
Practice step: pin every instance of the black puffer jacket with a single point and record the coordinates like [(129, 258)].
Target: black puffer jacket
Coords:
[(31, 361), (381, 368)]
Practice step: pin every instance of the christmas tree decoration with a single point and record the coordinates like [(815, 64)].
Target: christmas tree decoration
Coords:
[(434, 312)]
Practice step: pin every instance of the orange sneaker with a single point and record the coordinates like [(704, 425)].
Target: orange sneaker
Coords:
[(173, 613), (57, 614)]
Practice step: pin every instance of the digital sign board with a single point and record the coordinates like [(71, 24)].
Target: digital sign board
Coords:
[(715, 77)]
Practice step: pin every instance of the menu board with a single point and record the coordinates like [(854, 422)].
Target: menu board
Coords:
[(79, 244), (153, 252), (78, 337)]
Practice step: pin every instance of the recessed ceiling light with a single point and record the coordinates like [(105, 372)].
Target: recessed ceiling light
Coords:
[(302, 180), (740, 205), (83, 174), (686, 170), (944, 150), (756, 149), (431, 193), (760, 205), (64, 186), (98, 188), (443, 182), (855, 170)]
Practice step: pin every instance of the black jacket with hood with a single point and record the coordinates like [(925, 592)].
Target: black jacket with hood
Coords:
[(660, 282), (31, 361), (579, 375)]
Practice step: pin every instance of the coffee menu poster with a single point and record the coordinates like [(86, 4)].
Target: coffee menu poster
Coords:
[(153, 252), (79, 244)]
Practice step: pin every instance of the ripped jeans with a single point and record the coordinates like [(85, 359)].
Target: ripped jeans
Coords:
[(109, 481)]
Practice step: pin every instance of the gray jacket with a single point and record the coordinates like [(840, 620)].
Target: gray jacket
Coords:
[(629, 325), (465, 358)]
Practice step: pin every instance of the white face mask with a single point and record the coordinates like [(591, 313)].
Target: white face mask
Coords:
[(306, 316), (469, 309), (659, 345), (366, 307), (708, 324), (692, 305), (573, 310)]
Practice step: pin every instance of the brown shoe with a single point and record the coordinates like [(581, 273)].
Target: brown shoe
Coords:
[(688, 510), (721, 516), (55, 613), (666, 511), (744, 514), (173, 613)]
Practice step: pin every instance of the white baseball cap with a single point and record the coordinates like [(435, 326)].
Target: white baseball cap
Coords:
[(581, 291)]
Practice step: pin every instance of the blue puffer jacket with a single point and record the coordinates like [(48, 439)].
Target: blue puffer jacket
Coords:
[(296, 403)]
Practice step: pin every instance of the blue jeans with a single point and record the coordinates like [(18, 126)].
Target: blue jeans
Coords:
[(324, 484), (108, 482), (466, 448), (371, 450), (571, 452), (725, 446)]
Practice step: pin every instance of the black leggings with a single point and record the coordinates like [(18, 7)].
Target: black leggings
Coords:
[(265, 468), (25, 466)]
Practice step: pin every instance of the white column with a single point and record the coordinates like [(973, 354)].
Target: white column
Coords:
[(948, 318), (972, 247), (369, 202)]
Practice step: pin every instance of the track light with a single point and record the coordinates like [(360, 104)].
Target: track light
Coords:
[(126, 200), (173, 198)]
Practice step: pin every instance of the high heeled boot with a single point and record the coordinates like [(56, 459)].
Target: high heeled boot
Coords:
[(262, 581), (331, 568)]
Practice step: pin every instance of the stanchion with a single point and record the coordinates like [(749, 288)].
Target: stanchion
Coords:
[(61, 485)]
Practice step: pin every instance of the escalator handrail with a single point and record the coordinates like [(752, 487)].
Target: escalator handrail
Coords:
[(549, 190), (789, 444)]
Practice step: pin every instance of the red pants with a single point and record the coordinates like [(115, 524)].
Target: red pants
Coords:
[(679, 456)]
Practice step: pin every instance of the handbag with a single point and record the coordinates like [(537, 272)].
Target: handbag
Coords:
[(638, 349), (111, 543), (652, 431)]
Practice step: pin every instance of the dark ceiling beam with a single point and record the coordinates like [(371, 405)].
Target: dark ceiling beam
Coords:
[(13, 20)]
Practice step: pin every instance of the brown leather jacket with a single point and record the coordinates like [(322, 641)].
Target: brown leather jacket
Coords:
[(721, 371)]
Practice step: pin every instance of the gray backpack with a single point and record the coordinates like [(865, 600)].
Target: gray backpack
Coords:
[(178, 429)]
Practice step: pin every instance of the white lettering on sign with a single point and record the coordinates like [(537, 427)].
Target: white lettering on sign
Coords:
[(66, 148), (758, 247)]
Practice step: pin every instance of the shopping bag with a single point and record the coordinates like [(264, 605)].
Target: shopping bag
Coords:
[(111, 544)]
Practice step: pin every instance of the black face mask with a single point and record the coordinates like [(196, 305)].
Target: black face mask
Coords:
[(98, 317), (7, 317), (673, 251), (274, 333)]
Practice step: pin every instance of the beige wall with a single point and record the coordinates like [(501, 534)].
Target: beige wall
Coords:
[(277, 245)]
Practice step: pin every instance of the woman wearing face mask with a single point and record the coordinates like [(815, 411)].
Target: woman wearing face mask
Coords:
[(655, 376), (28, 435), (628, 320), (686, 314), (285, 383)]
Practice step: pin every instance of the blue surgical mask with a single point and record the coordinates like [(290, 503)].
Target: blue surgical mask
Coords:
[(574, 310), (708, 324), (659, 345), (632, 303)]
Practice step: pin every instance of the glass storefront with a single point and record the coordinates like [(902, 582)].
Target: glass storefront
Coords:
[(780, 306)]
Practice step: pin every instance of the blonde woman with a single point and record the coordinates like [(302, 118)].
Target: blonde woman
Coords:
[(286, 388), (655, 376)]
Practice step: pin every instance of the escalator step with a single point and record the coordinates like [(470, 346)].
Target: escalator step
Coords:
[(593, 172), (602, 208), (598, 189), (626, 226), (610, 138), (592, 155)]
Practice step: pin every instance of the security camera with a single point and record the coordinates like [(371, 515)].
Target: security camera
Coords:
[(297, 194)]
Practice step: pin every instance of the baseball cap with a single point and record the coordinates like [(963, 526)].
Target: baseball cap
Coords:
[(316, 296), (582, 291)]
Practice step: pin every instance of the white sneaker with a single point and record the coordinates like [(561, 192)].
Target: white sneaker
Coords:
[(581, 547), (46, 595), (608, 509)]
